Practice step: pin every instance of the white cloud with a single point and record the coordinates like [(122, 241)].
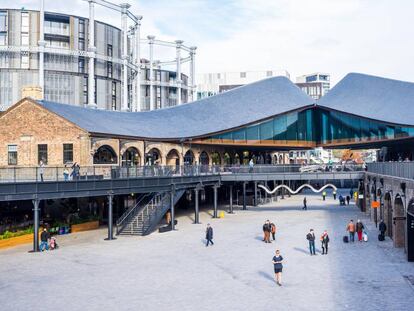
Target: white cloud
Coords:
[(301, 36)]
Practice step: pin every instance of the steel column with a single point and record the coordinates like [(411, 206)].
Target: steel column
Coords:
[(92, 50), (138, 64), (124, 21), (36, 225), (215, 201), (172, 195), (178, 61), (42, 44), (151, 69), (231, 199), (196, 215), (110, 218), (255, 193), (244, 196), (192, 72)]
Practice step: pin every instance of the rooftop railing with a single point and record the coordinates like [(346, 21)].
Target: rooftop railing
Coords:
[(397, 169), (48, 173)]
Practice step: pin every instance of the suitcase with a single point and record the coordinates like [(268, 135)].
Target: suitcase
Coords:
[(345, 239), (381, 237)]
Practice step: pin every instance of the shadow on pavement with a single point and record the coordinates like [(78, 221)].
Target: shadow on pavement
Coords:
[(266, 276)]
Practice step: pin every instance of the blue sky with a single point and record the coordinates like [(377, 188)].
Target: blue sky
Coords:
[(300, 36)]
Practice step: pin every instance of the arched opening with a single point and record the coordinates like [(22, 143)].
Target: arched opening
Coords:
[(131, 157), (105, 155), (203, 158), (275, 159), (173, 158), (399, 222), (236, 159), (268, 159), (227, 159), (189, 158), (281, 159), (153, 157), (388, 213), (246, 157), (215, 158), (410, 230)]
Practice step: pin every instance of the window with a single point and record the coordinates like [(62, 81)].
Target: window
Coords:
[(3, 21), (109, 69), (24, 61), (109, 50), (12, 154), (242, 75), (25, 22), (85, 90), (67, 153), (25, 39), (82, 28), (81, 44), (269, 73), (42, 153), (81, 64), (113, 106), (218, 76), (3, 38)]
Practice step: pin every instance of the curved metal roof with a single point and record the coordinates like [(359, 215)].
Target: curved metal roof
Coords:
[(373, 97), (224, 111)]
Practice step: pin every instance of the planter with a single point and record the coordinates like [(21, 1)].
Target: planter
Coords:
[(91, 225), (18, 240)]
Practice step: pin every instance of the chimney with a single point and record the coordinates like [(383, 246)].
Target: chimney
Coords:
[(34, 92)]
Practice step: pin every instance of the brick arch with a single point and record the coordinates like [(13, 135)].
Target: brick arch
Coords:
[(173, 157), (105, 154), (398, 221), (388, 202), (216, 158)]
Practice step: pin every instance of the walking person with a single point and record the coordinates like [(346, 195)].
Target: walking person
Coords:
[(273, 230), (359, 229), (348, 198), (305, 207), (324, 242), (65, 173), (324, 195), (44, 240), (311, 238), (266, 231), (334, 194), (251, 165), (351, 230), (382, 228), (41, 170), (209, 235), (278, 267)]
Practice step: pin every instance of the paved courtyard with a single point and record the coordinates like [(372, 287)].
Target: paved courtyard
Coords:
[(175, 271)]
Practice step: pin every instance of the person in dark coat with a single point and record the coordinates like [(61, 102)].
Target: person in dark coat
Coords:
[(324, 242), (311, 239), (359, 229), (278, 266), (382, 227), (267, 229), (209, 235), (44, 240), (305, 207), (348, 198)]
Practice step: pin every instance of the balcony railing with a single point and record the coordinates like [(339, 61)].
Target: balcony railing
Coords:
[(45, 174)]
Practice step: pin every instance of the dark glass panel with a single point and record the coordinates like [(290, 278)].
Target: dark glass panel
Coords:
[(266, 130), (291, 126), (252, 133), (279, 128)]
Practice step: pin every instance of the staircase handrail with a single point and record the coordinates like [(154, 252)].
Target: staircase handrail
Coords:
[(127, 213)]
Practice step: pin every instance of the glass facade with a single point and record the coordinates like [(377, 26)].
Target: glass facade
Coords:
[(311, 127)]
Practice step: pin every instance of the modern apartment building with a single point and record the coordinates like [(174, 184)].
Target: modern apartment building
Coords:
[(209, 84), (315, 85), (90, 64)]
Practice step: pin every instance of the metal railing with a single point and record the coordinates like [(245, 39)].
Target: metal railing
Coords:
[(398, 169), (101, 172), (132, 212)]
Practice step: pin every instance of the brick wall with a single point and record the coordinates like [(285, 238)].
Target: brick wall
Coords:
[(27, 124)]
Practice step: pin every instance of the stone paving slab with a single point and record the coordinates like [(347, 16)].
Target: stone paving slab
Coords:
[(175, 271)]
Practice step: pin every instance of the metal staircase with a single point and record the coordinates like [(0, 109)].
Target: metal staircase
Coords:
[(143, 218)]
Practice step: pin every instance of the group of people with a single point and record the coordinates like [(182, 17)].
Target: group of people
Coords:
[(324, 238), (269, 228), (359, 228), (47, 242)]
